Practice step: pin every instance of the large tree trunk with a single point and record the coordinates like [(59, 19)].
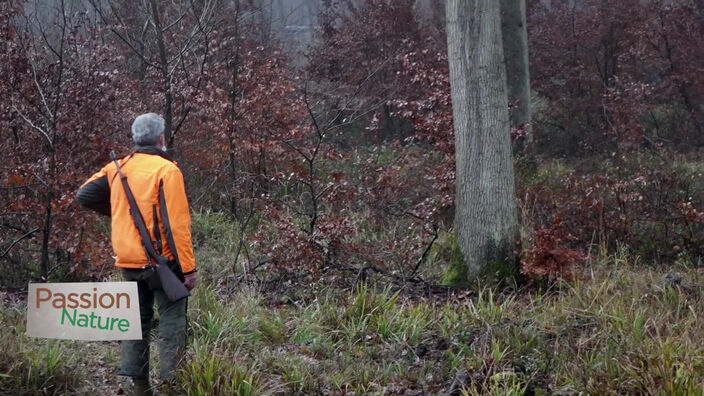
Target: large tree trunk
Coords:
[(515, 42), (485, 214)]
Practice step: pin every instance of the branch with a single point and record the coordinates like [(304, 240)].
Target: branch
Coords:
[(35, 79), (17, 240), (124, 38), (28, 121), (205, 16), (310, 112), (243, 230), (296, 149), (46, 39), (59, 80), (424, 256), (172, 24), (29, 101), (178, 126)]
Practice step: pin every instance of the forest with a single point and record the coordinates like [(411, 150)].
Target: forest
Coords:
[(393, 197)]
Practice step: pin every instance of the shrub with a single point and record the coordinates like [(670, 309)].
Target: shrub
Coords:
[(648, 202), (548, 257)]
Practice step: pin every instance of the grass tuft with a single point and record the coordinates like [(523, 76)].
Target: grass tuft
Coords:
[(619, 329)]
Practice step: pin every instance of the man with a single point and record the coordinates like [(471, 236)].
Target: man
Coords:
[(157, 185)]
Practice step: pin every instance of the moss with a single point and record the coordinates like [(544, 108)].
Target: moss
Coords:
[(456, 273), (501, 269), (498, 273)]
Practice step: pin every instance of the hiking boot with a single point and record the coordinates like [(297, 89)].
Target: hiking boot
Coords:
[(142, 387)]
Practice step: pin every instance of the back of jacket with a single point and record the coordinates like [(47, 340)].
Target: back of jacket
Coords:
[(158, 187)]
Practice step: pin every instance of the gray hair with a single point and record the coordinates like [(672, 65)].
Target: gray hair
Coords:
[(147, 128)]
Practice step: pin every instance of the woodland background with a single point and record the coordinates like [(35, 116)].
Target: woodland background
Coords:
[(322, 152), (344, 149)]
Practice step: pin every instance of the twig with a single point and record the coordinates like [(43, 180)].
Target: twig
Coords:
[(17, 240), (424, 256), (39, 129), (243, 229)]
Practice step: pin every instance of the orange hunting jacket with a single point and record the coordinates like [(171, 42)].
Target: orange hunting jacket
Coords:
[(158, 188)]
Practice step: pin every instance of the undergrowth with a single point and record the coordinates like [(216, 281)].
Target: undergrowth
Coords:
[(618, 327)]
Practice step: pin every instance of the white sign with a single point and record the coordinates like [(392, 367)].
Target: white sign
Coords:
[(91, 311)]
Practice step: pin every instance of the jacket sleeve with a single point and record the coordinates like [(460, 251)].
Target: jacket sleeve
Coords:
[(94, 194), (175, 214)]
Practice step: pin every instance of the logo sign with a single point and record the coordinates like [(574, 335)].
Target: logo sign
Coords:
[(91, 311)]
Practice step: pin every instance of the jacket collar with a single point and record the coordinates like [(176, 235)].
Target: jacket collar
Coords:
[(153, 150)]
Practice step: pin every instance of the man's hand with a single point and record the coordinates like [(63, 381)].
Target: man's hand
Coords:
[(190, 281)]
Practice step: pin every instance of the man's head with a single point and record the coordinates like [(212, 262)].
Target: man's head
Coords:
[(148, 130)]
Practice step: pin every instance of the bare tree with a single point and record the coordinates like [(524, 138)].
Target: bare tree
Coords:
[(485, 214), (169, 37), (49, 108), (59, 87)]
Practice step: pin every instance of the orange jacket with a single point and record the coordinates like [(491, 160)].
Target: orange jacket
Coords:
[(158, 188)]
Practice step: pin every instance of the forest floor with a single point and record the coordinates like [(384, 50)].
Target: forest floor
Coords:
[(621, 327)]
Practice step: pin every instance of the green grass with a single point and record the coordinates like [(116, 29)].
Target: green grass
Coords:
[(620, 328), (29, 366)]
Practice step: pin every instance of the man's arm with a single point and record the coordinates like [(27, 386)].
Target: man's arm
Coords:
[(94, 194), (176, 215)]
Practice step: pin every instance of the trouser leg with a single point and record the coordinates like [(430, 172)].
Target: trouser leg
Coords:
[(172, 332), (135, 353)]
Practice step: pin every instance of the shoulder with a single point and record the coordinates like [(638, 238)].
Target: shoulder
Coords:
[(169, 166), (110, 166), (165, 167), (155, 162)]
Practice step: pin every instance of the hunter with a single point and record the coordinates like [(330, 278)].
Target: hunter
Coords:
[(159, 191)]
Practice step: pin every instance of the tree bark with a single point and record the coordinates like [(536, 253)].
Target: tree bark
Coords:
[(485, 213), (515, 43), (46, 235), (164, 68), (234, 68)]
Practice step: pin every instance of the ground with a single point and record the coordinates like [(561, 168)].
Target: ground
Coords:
[(620, 327)]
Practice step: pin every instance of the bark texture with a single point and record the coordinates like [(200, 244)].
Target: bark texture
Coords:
[(515, 42), (485, 214)]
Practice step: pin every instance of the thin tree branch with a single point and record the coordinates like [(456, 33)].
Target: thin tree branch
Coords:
[(28, 121), (17, 240), (124, 38), (424, 256)]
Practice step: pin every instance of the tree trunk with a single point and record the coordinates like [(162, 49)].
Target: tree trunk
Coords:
[(515, 42), (234, 68), (46, 235), (485, 214), (166, 80)]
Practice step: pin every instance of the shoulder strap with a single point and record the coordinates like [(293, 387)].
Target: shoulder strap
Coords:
[(137, 216), (157, 233), (167, 225)]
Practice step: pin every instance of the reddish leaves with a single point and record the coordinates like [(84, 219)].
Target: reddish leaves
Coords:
[(548, 256), (626, 68)]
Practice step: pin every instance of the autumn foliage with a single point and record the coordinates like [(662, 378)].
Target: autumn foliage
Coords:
[(549, 257), (617, 73), (347, 163)]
